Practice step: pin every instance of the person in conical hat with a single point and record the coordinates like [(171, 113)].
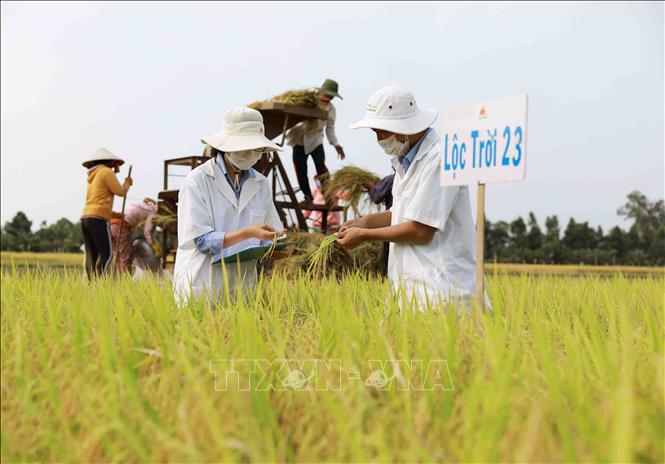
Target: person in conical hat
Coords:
[(102, 166)]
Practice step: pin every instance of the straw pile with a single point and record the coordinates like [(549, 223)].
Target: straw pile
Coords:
[(298, 97), (365, 258), (349, 183)]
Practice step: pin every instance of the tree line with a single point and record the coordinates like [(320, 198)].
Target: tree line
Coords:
[(519, 241), (643, 244)]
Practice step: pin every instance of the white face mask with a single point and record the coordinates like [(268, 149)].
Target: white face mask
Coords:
[(394, 147), (243, 160)]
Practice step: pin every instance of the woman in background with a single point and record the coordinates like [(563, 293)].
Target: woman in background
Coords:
[(122, 230), (102, 186)]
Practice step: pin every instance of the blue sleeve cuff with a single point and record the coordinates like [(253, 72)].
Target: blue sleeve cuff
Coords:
[(211, 242)]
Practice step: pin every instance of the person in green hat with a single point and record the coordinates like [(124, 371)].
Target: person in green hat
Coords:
[(306, 138)]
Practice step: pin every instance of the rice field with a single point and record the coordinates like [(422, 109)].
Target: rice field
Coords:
[(75, 260), (568, 368), (7, 258)]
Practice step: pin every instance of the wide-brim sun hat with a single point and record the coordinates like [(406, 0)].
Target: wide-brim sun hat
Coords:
[(102, 154), (394, 109), (330, 88), (242, 129)]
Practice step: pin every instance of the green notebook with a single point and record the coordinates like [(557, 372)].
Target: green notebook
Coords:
[(250, 254)]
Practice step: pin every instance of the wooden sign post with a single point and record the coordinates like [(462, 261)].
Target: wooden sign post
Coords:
[(480, 247), (483, 143)]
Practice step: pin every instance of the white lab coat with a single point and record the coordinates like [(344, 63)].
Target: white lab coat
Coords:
[(206, 202), (443, 269)]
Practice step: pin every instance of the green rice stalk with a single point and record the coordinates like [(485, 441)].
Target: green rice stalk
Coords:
[(273, 244), (112, 370), (319, 259)]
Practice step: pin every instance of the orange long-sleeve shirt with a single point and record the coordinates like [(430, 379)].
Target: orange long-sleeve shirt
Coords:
[(102, 186)]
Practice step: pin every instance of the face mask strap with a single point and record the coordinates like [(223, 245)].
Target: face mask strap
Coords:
[(408, 145)]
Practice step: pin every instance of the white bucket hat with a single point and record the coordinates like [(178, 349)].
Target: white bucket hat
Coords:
[(102, 154), (242, 129), (394, 109)]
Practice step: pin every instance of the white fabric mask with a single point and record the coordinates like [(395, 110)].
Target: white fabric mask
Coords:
[(243, 160), (394, 147)]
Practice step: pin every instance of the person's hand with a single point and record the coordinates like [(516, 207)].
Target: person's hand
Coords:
[(340, 152), (351, 237), (358, 222), (128, 182), (260, 231)]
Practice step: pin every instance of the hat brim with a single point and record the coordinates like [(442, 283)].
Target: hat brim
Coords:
[(409, 126), (329, 92), (114, 160), (229, 143)]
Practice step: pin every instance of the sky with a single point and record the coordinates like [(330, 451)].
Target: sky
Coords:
[(147, 80)]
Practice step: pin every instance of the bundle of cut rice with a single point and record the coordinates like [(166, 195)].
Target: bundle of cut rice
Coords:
[(304, 245), (365, 258), (298, 97), (349, 183)]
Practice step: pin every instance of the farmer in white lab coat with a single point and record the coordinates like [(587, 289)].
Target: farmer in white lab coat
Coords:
[(224, 207), (432, 235)]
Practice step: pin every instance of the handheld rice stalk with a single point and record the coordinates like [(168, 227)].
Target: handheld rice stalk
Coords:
[(319, 259), (279, 235)]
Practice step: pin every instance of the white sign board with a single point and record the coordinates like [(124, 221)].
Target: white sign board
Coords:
[(485, 142)]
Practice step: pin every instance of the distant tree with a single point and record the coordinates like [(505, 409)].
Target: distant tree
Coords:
[(642, 244), (615, 243), (7, 242), (552, 231), (497, 239), (61, 236), (578, 235), (634, 253), (579, 241), (647, 216), (552, 249), (489, 245), (17, 233), (534, 239), (646, 234), (517, 240), (657, 248)]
